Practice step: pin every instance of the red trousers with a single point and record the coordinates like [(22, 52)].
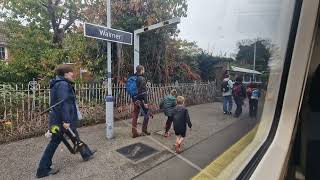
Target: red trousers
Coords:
[(135, 114)]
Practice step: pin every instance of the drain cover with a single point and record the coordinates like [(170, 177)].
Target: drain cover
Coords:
[(137, 151)]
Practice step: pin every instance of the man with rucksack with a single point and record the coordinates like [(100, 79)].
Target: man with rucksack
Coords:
[(137, 88), (239, 94), (226, 89)]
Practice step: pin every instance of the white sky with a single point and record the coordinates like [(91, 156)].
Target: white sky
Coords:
[(217, 25)]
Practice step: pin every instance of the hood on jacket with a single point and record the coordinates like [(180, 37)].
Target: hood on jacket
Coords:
[(237, 83), (58, 79), (171, 97), (179, 108)]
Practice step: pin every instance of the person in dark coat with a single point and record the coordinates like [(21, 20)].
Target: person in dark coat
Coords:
[(63, 115), (239, 94), (180, 121), (140, 103), (253, 94), (168, 104)]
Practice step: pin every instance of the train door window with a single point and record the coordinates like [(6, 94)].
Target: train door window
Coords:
[(2, 53), (247, 78), (262, 30), (258, 78)]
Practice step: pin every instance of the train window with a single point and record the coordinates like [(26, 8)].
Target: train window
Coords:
[(258, 78), (198, 79), (262, 32), (2, 53), (247, 78)]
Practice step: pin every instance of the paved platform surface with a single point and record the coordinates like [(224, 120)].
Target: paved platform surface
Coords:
[(212, 133)]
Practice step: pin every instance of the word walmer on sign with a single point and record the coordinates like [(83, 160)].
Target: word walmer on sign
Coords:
[(108, 34)]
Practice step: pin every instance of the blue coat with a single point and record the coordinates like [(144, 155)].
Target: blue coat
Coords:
[(62, 89)]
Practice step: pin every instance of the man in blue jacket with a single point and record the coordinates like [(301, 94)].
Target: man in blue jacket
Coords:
[(62, 116)]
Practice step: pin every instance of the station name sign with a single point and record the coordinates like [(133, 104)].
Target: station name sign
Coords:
[(108, 34)]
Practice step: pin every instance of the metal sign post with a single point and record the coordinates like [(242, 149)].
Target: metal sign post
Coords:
[(109, 98), (254, 59), (110, 35), (137, 33)]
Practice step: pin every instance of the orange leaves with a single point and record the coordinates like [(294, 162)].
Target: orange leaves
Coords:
[(150, 20), (191, 75)]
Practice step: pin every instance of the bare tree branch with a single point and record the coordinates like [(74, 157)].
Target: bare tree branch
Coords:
[(69, 23), (52, 14), (57, 2), (59, 21), (72, 16), (43, 4)]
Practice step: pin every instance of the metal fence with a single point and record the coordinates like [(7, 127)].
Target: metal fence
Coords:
[(21, 105)]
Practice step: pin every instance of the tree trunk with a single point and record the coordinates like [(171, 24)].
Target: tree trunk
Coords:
[(159, 65), (58, 37), (120, 60), (166, 65)]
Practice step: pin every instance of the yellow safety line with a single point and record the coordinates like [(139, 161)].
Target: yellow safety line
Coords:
[(215, 168)]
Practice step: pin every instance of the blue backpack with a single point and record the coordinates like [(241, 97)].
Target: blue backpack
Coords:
[(255, 94), (131, 86)]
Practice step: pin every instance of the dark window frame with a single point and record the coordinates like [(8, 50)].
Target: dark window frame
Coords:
[(2, 53)]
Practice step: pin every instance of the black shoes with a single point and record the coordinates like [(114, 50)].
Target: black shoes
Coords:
[(145, 133), (135, 135), (51, 172), (93, 151), (227, 113)]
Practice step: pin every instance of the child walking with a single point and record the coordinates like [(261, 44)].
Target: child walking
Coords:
[(180, 121), (253, 100), (168, 104)]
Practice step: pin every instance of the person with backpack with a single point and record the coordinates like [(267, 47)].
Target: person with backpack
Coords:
[(168, 104), (63, 116), (239, 94), (137, 88), (253, 97), (226, 89)]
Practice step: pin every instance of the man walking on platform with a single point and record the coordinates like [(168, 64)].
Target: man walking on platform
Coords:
[(64, 115), (226, 89), (140, 103), (239, 94)]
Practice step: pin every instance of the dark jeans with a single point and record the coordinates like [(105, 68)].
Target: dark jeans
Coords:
[(46, 160), (227, 103), (135, 115), (239, 103), (169, 123), (253, 107)]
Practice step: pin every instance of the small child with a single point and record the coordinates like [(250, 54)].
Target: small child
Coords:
[(253, 100), (180, 120), (168, 104)]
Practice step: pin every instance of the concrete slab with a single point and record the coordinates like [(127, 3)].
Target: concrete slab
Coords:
[(200, 154)]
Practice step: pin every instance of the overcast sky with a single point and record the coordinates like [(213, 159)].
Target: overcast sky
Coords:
[(217, 25)]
